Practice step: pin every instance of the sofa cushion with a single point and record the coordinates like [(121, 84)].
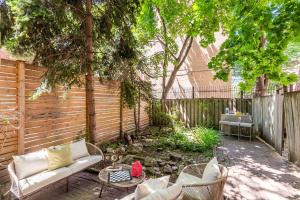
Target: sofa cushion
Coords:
[(211, 171), (186, 179), (37, 181), (59, 156), (31, 163), (79, 149), (150, 186), (84, 162), (171, 193)]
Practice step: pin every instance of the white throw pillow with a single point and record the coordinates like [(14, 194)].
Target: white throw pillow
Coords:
[(79, 149), (31, 163), (185, 179), (211, 171), (150, 186), (171, 193)]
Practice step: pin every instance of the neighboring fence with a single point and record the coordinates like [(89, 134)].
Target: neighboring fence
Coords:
[(292, 123), (268, 119), (196, 112), (56, 117)]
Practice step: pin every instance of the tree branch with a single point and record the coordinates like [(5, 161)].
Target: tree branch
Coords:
[(183, 47), (186, 53), (167, 48)]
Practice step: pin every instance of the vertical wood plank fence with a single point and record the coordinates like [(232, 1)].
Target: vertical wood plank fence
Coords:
[(292, 123), (197, 112), (57, 116), (268, 119)]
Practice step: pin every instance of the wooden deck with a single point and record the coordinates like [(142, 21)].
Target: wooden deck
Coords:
[(82, 186)]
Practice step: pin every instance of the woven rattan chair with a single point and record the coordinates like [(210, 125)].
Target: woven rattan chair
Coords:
[(212, 190)]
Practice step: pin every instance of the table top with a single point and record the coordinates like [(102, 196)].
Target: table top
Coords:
[(103, 176), (236, 118)]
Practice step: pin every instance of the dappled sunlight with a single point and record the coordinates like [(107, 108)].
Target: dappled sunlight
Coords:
[(257, 172)]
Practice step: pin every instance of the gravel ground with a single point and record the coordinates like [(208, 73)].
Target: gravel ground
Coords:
[(257, 172)]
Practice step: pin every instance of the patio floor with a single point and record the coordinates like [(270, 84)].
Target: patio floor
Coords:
[(258, 172)]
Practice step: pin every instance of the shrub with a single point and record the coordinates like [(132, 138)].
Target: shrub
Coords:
[(199, 139)]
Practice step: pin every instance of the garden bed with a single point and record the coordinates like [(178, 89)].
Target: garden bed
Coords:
[(166, 151)]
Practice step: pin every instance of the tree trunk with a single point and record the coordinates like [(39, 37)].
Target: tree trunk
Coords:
[(90, 99), (176, 69), (262, 81)]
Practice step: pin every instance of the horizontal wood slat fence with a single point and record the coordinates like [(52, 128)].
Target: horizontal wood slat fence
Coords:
[(196, 112), (57, 116)]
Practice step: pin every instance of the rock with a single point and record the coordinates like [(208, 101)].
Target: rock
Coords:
[(180, 168), (161, 163), (174, 168), (159, 149), (127, 159), (135, 148), (172, 163), (167, 169), (156, 169), (191, 161), (123, 149), (109, 150), (149, 162), (175, 156)]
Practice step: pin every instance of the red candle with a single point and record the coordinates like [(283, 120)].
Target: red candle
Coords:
[(136, 169)]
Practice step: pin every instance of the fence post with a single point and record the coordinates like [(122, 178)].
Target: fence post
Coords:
[(21, 105), (193, 94), (121, 110)]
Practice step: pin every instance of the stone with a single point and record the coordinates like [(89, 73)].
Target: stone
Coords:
[(180, 168), (149, 162), (159, 149), (135, 149), (191, 161), (172, 163), (167, 169), (175, 156), (122, 149), (174, 168), (109, 150), (161, 163), (156, 169)]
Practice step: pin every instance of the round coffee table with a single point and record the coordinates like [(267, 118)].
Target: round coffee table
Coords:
[(103, 177)]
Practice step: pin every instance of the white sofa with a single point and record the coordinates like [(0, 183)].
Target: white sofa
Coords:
[(29, 172)]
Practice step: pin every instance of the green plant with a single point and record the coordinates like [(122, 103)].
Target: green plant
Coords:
[(198, 139)]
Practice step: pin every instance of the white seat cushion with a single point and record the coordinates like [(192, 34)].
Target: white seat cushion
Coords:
[(150, 186), (211, 171), (248, 125), (31, 163), (79, 149), (186, 179), (84, 162), (37, 181), (129, 197), (171, 193)]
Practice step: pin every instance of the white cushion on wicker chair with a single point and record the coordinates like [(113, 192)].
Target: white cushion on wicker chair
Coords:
[(84, 162), (211, 171), (171, 193), (79, 149), (150, 186), (37, 181), (185, 179), (31, 163)]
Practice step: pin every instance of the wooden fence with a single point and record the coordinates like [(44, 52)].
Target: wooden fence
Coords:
[(268, 119), (57, 116), (196, 112), (292, 124)]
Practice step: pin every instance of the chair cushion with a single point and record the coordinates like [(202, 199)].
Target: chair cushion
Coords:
[(186, 179), (79, 149), (211, 171), (129, 197), (31, 163), (84, 162), (171, 193), (37, 181), (248, 125), (59, 156), (150, 186)]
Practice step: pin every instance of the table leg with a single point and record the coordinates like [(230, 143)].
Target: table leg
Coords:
[(102, 186)]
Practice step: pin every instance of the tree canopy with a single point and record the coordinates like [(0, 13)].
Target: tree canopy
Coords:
[(259, 33), (166, 21)]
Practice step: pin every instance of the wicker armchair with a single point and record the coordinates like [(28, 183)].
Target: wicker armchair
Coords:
[(212, 190)]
